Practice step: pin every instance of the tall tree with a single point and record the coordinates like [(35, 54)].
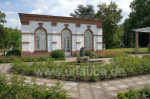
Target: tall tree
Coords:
[(8, 36), (2, 17), (138, 18), (13, 38), (110, 15), (84, 12), (2, 30)]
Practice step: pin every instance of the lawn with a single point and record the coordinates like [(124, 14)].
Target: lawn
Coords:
[(109, 53), (126, 50)]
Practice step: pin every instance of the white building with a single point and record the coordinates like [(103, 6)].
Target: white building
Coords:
[(41, 34)]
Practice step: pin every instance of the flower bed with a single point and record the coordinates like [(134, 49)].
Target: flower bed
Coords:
[(136, 94), (17, 89), (121, 66)]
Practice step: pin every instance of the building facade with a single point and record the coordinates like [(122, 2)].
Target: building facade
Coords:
[(41, 34)]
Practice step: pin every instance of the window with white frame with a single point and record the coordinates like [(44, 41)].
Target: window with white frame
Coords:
[(66, 41), (40, 40), (88, 40)]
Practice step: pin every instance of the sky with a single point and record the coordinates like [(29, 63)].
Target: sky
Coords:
[(51, 7)]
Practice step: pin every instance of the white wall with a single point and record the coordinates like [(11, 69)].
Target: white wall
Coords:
[(33, 25)]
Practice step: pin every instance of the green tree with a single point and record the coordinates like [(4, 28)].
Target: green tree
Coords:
[(110, 15), (8, 36), (2, 35), (13, 38), (84, 12), (2, 17), (138, 18)]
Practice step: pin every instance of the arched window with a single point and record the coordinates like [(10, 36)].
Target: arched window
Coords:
[(66, 42), (88, 40), (40, 40)]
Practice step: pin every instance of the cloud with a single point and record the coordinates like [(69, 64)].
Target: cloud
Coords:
[(65, 7), (124, 5), (53, 7), (8, 3), (36, 11), (43, 6), (9, 12), (13, 23)]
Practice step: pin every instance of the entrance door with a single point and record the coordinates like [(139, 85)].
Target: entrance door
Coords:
[(66, 42)]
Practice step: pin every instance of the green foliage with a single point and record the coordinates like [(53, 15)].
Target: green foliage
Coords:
[(84, 12), (121, 66), (110, 15), (91, 54), (14, 52), (139, 17), (10, 59), (148, 47), (16, 88), (58, 54), (2, 17), (133, 94), (8, 36)]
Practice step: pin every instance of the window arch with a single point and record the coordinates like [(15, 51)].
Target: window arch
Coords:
[(40, 40), (88, 40), (66, 42)]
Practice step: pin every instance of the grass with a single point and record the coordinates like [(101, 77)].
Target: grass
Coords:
[(109, 53), (127, 50)]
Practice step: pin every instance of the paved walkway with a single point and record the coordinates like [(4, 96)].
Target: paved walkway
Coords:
[(97, 90)]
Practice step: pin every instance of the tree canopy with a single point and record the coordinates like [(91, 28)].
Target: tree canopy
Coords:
[(2, 17), (138, 18), (8, 36), (110, 15), (84, 12)]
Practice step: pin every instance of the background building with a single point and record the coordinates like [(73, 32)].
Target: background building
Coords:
[(41, 34)]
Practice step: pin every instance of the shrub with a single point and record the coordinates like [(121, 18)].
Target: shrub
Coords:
[(13, 53), (58, 54), (18, 89), (133, 94), (91, 54)]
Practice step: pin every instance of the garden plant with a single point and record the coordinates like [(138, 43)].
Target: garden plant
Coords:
[(121, 66), (136, 94), (17, 88)]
